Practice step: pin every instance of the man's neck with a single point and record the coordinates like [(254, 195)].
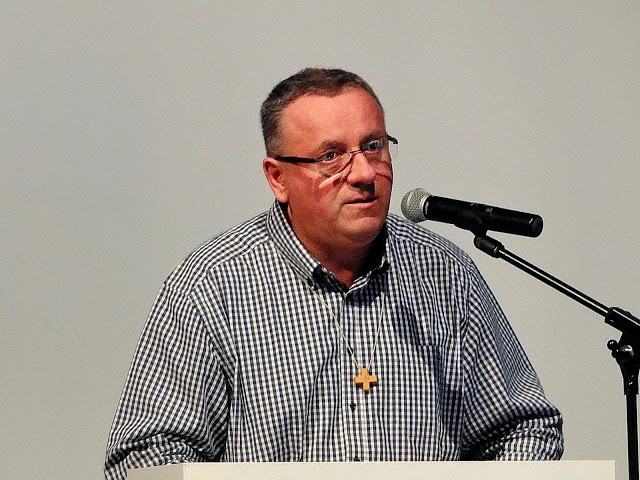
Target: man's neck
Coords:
[(348, 265), (347, 274)]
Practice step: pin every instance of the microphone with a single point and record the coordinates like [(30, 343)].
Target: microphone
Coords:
[(419, 205)]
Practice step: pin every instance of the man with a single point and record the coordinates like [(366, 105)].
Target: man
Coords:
[(323, 329)]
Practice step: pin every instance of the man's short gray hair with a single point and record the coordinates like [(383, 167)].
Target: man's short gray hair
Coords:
[(309, 81)]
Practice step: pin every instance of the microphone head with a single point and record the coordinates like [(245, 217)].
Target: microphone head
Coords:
[(412, 205)]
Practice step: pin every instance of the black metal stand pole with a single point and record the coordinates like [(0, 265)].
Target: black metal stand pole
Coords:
[(632, 434), (626, 351)]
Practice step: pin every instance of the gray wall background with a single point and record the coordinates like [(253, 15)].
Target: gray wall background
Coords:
[(129, 134)]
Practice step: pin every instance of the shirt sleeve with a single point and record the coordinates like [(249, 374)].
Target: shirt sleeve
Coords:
[(174, 404), (506, 414)]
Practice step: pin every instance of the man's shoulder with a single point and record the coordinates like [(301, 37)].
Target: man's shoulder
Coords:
[(221, 249), (413, 238)]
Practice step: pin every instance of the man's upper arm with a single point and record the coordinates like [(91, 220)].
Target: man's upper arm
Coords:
[(173, 407), (506, 415)]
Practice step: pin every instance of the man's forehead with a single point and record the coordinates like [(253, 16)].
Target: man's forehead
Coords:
[(350, 107)]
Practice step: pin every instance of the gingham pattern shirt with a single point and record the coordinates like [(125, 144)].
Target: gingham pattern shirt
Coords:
[(240, 361)]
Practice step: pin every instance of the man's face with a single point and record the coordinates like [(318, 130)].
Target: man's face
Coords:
[(345, 211)]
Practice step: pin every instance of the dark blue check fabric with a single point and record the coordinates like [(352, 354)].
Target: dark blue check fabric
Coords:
[(240, 361)]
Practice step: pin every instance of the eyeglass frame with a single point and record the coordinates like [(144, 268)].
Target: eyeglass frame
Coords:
[(290, 159)]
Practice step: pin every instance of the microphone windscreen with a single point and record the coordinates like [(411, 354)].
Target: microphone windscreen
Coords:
[(412, 205)]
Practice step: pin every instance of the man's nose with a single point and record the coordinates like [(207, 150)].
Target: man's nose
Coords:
[(361, 169)]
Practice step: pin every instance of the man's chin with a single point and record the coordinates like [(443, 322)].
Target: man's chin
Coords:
[(365, 230)]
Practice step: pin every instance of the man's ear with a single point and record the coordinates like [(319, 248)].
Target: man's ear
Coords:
[(273, 170)]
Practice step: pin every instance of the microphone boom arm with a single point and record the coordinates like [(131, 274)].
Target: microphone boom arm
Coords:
[(619, 319)]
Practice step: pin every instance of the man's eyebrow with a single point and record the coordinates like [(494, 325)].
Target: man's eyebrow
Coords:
[(336, 145), (331, 145), (374, 136)]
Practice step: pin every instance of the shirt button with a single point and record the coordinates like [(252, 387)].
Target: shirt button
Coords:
[(353, 406)]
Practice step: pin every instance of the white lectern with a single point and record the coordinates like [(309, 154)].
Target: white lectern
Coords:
[(584, 470)]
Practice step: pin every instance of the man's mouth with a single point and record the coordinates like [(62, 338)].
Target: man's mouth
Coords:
[(363, 200)]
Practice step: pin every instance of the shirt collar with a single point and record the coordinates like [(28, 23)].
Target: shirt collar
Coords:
[(300, 259), (287, 243)]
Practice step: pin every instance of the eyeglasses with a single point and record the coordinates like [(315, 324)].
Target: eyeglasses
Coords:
[(380, 150)]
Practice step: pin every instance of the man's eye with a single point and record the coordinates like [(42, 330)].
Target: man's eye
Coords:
[(374, 146), (329, 157)]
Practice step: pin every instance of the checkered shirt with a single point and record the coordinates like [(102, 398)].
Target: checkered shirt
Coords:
[(240, 361)]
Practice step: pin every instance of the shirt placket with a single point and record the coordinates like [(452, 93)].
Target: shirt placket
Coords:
[(358, 413)]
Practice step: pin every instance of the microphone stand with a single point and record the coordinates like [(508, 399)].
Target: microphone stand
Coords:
[(626, 351)]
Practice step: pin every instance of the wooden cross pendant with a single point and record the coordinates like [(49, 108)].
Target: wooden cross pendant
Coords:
[(365, 379)]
